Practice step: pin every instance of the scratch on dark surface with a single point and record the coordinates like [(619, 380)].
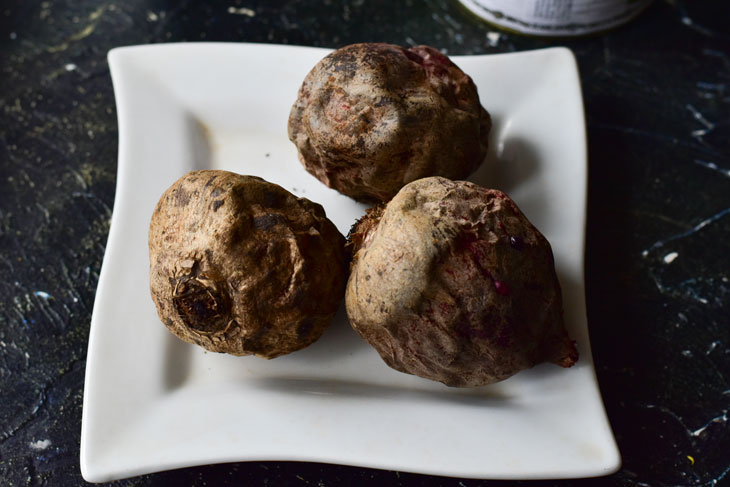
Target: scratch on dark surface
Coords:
[(685, 290), (19, 309), (39, 300), (44, 210), (451, 27), (8, 262), (709, 90), (47, 220), (15, 347), (21, 316), (8, 433), (712, 347), (721, 476), (93, 21), (688, 288), (96, 203), (77, 175), (708, 483), (719, 419), (704, 85), (708, 126), (699, 117), (689, 22), (452, 22), (714, 167), (623, 75), (72, 285), (693, 289), (722, 56), (43, 304), (73, 364), (687, 233), (655, 135), (671, 279)]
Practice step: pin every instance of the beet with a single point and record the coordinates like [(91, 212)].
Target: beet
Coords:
[(240, 265), (439, 287), (373, 117)]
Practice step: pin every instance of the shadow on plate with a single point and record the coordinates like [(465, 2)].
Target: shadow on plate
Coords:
[(510, 161), (199, 140), (338, 342), (492, 396), (177, 362), (574, 310)]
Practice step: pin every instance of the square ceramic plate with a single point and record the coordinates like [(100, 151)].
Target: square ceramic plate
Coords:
[(152, 402)]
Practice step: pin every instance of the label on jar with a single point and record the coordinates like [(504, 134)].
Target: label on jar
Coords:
[(556, 17)]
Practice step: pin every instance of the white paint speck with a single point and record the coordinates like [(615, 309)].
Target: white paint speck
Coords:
[(152, 17), (70, 67), (42, 294), (687, 353), (13, 36), (241, 11), (712, 347), (698, 134), (686, 20), (669, 258), (493, 38), (40, 444), (90, 133)]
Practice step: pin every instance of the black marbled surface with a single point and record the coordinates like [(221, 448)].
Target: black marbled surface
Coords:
[(657, 96)]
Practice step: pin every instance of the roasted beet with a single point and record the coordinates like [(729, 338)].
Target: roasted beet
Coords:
[(242, 266), (372, 117), (451, 282)]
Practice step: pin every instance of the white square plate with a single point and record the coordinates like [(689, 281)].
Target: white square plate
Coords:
[(152, 402)]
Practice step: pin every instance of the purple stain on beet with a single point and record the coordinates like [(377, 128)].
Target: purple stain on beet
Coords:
[(501, 288)]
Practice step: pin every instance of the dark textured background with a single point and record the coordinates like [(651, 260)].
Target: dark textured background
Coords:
[(657, 96)]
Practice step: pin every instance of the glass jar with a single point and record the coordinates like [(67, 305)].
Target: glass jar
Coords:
[(556, 18)]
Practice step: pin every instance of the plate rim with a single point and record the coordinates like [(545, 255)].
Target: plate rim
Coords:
[(117, 57)]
